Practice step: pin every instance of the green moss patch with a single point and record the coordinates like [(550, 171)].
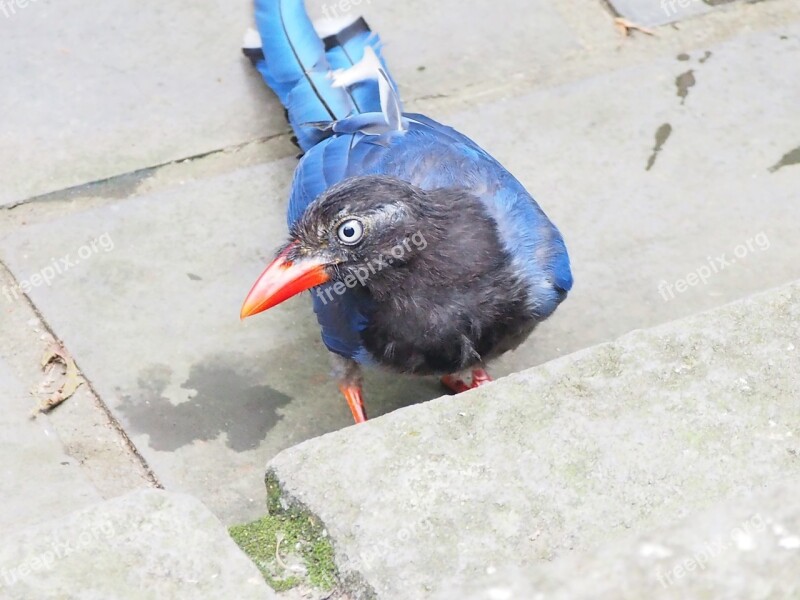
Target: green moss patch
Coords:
[(289, 546)]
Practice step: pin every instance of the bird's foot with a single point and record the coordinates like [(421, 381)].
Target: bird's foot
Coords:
[(459, 383), (348, 375), (355, 400)]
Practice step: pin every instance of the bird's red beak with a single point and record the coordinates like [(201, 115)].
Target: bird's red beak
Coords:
[(283, 279)]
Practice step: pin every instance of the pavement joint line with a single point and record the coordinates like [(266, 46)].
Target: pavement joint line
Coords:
[(455, 97), (140, 174), (150, 475), (610, 8), (452, 98), (469, 93)]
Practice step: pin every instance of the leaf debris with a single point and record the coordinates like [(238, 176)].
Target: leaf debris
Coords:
[(55, 355)]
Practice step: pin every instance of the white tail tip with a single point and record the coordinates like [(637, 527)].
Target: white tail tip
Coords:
[(252, 39), (367, 69)]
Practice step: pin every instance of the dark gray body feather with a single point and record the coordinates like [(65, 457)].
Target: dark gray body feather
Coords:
[(442, 308)]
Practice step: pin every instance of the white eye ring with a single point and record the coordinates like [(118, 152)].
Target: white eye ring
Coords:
[(350, 232)]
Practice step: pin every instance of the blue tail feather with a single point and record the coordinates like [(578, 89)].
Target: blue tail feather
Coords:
[(346, 49), (297, 65)]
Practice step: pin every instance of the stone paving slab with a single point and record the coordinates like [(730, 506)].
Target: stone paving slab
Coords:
[(102, 91), (39, 480), (152, 318), (151, 313), (145, 545), (748, 548), (652, 13), (81, 428), (435, 48), (619, 439)]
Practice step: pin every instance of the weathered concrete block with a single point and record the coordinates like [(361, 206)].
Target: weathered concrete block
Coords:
[(748, 548), (148, 544), (620, 438)]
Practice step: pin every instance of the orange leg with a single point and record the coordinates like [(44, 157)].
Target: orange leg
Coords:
[(355, 400), (458, 383)]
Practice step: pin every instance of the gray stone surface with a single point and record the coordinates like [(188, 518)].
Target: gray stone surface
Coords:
[(38, 480), (574, 109), (489, 45), (89, 446), (153, 322), (747, 548), (652, 13), (102, 91), (616, 440), (145, 545)]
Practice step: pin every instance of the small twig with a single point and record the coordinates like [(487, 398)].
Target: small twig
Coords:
[(280, 537), (624, 26)]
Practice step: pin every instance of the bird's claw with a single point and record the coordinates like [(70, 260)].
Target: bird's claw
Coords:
[(459, 383)]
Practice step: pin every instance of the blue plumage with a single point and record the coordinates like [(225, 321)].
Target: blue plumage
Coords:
[(356, 129)]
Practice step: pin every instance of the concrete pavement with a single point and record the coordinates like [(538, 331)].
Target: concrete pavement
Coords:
[(160, 83), (669, 162), (38, 477)]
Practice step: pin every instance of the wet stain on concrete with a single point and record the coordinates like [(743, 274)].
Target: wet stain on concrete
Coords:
[(683, 57), (683, 82), (226, 399), (662, 135), (790, 158), (194, 277)]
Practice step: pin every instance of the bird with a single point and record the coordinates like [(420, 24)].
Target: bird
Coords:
[(422, 254)]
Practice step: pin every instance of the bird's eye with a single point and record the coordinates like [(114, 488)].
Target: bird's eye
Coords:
[(350, 232)]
